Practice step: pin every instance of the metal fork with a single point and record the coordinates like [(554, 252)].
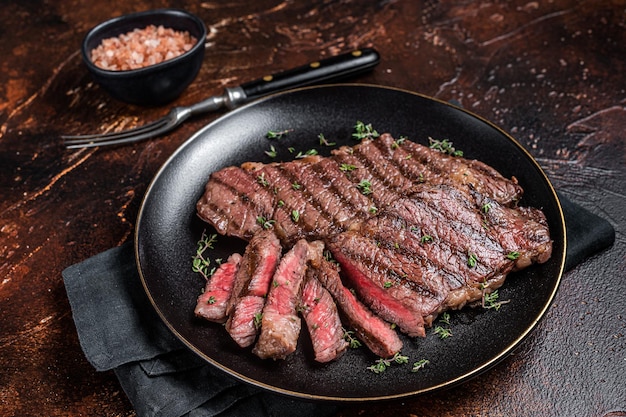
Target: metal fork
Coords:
[(330, 69)]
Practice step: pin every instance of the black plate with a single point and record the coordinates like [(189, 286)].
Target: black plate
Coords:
[(167, 232)]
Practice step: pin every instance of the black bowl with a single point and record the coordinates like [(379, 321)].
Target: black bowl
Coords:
[(156, 84)]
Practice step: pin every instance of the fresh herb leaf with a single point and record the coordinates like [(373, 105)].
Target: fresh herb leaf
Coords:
[(347, 167), (420, 364), (265, 223), (272, 152), (513, 255), (444, 146), (365, 186), (295, 216), (324, 141), (472, 260), (200, 262), (349, 337), (277, 134), (364, 131)]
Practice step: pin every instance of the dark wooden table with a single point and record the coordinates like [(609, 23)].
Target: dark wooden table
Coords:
[(550, 73)]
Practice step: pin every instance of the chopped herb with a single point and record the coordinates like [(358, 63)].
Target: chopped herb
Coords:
[(261, 180), (272, 152), (373, 210), (258, 319), (295, 215), (420, 364), (513, 255), (444, 146), (349, 337), (211, 300), (291, 149), (426, 239), (364, 131), (281, 203), (471, 260), (387, 284), (347, 167), (382, 364), (310, 152), (486, 207), (277, 134), (443, 332), (365, 187), (324, 141), (296, 186), (398, 142), (265, 223)]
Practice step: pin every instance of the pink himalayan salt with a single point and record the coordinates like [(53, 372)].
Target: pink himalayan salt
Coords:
[(141, 48)]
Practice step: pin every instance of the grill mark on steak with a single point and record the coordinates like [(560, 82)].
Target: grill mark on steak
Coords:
[(457, 171), (375, 333), (323, 195), (251, 285), (232, 201), (212, 303), (388, 283), (280, 325), (322, 319)]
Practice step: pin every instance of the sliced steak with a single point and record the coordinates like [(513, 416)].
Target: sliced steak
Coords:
[(212, 302), (251, 285), (280, 324), (322, 319), (438, 249), (375, 333)]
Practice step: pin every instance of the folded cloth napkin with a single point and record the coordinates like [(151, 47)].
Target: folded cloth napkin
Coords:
[(119, 330)]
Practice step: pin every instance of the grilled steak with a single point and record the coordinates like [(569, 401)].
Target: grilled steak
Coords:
[(251, 286), (376, 334), (438, 249), (212, 302), (322, 319), (329, 194), (280, 325), (415, 230)]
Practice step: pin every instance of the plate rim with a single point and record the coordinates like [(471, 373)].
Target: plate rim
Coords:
[(474, 372)]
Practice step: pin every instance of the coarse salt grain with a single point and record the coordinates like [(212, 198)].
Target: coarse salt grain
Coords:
[(141, 48)]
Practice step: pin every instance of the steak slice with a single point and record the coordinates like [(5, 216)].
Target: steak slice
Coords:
[(322, 319), (330, 194), (251, 285), (375, 333), (212, 303), (280, 324)]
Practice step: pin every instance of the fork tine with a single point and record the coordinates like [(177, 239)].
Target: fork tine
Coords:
[(117, 140), (76, 139)]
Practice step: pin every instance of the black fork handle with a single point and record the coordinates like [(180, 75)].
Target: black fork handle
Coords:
[(326, 70)]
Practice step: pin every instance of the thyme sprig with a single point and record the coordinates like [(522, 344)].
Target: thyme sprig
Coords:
[(201, 263), (419, 365), (277, 134), (490, 300), (382, 364), (364, 131), (365, 186), (349, 337), (444, 146), (324, 141)]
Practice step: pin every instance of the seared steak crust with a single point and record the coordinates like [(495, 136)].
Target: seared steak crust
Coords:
[(329, 194)]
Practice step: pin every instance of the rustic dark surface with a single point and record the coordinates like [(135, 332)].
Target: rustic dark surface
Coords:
[(549, 72)]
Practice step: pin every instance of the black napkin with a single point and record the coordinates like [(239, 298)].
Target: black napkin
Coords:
[(119, 330)]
